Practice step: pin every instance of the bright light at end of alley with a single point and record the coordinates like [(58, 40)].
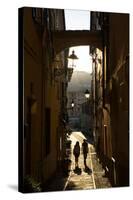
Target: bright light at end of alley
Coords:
[(84, 63)]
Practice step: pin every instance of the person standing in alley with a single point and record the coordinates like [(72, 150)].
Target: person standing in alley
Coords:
[(85, 151), (76, 152)]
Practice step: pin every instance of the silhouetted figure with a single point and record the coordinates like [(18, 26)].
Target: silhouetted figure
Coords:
[(76, 152), (85, 151)]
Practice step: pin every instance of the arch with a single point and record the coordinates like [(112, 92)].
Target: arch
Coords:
[(66, 39)]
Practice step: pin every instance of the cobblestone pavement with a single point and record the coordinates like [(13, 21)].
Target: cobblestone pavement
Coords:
[(90, 178), (82, 178), (99, 175)]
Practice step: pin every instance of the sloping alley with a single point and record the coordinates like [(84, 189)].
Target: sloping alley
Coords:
[(92, 177)]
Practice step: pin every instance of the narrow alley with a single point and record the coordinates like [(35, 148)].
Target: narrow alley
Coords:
[(92, 177), (75, 88)]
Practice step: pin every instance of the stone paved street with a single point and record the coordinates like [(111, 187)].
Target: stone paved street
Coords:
[(87, 179), (99, 175), (81, 178)]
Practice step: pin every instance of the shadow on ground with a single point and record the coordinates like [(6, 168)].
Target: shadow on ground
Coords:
[(88, 170), (77, 171)]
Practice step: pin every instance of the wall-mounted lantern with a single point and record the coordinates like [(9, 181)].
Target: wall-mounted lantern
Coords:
[(73, 57), (72, 104), (87, 94)]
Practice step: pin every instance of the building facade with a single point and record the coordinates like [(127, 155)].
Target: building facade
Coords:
[(74, 113), (111, 94), (80, 115), (45, 79)]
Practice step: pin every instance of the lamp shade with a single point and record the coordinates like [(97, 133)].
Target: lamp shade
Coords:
[(73, 56)]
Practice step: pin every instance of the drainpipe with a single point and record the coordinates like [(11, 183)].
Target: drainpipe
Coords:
[(114, 170), (104, 65)]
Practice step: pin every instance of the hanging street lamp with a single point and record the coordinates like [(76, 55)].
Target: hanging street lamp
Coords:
[(87, 94), (73, 57)]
